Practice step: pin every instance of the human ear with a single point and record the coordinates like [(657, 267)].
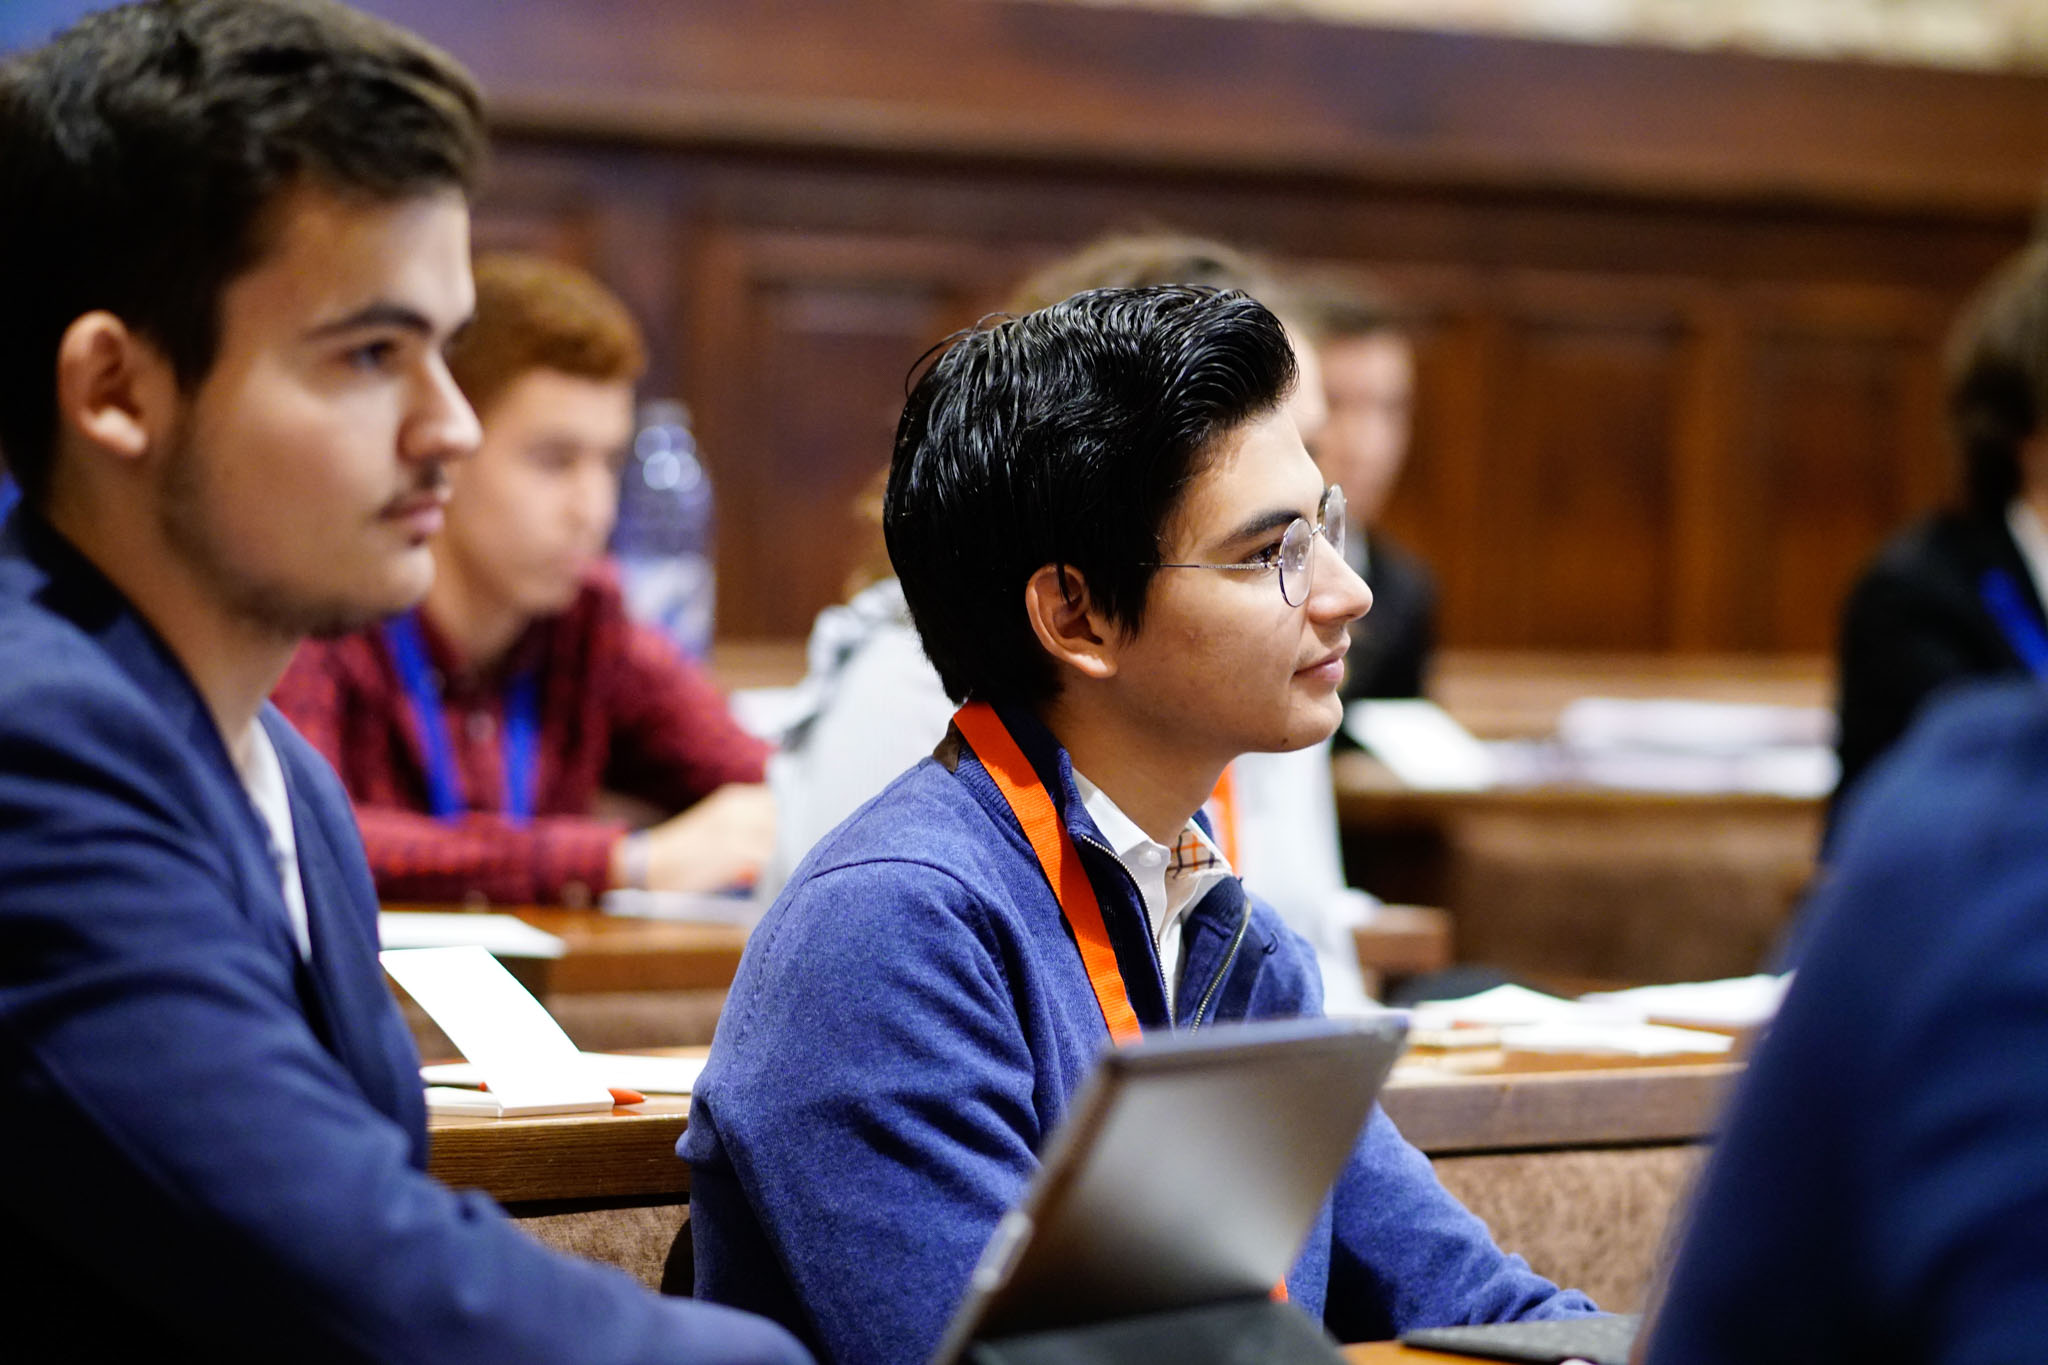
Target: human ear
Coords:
[(1067, 624), (114, 389)]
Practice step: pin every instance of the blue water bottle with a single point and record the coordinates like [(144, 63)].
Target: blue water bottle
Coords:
[(663, 537)]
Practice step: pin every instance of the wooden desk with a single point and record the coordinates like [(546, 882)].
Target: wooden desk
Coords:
[(1394, 1353), (1516, 694), (1447, 1106), (1573, 1162), (1586, 882), (612, 953)]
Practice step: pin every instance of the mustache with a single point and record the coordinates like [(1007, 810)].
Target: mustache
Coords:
[(430, 481)]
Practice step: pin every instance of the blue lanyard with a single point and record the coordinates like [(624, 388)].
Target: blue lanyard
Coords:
[(2021, 628), (522, 727)]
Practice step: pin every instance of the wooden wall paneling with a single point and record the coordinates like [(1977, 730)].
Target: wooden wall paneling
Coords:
[(808, 342), (1703, 501), (1842, 444), (626, 216), (1583, 425), (1137, 87), (1436, 509)]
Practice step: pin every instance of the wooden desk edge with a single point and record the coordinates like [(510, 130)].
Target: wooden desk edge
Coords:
[(630, 1154), (1651, 1104), (626, 1154)]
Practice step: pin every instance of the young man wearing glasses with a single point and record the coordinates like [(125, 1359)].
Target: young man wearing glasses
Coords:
[(1120, 557)]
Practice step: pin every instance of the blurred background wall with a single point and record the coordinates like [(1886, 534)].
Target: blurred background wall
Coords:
[(1680, 310)]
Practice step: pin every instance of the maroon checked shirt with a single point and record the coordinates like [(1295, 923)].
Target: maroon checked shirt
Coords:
[(621, 710)]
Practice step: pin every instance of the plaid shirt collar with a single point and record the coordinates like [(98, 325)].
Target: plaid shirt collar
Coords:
[(1171, 880)]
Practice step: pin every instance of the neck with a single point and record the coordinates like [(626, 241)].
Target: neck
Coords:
[(482, 628), (232, 662), (1158, 783)]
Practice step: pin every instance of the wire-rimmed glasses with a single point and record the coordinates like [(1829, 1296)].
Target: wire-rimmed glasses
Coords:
[(1295, 555)]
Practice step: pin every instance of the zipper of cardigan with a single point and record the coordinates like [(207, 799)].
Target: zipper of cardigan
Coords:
[(1236, 941), (1158, 970)]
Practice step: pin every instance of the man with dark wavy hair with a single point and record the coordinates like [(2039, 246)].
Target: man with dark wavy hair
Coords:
[(1123, 563), (237, 241)]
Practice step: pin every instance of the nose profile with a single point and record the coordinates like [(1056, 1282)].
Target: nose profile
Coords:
[(442, 426), (1339, 593)]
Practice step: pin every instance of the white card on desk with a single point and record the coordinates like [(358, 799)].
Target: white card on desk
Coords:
[(1423, 746), (527, 1061), (618, 1070)]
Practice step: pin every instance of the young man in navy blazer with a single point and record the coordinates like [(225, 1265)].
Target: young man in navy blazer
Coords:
[(1118, 553), (236, 240)]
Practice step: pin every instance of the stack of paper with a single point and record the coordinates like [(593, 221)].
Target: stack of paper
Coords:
[(1681, 745), (1518, 1019)]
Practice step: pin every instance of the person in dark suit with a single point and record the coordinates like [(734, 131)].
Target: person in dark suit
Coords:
[(1880, 1187), (223, 394), (1959, 596), (1368, 369)]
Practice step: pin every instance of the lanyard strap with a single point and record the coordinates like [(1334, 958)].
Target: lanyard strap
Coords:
[(2021, 628), (1029, 801), (521, 729), (1057, 858)]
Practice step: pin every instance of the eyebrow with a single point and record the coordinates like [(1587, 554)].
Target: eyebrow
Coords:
[(1269, 521), (380, 314)]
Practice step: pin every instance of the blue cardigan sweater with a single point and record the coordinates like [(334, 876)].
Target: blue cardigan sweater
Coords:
[(908, 1025)]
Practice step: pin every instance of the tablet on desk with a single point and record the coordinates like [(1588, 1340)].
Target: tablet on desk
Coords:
[(1187, 1174), (1600, 1340)]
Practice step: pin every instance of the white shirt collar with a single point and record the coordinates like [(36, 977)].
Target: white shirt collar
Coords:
[(2032, 540), (263, 778), (1167, 897)]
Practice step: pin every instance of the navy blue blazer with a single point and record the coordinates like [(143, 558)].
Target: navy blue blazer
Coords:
[(1879, 1191), (208, 1141)]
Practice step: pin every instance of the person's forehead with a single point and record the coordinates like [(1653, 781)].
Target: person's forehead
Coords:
[(323, 255), (1258, 467)]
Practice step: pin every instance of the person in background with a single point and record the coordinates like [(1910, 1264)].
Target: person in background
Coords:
[(1369, 382), (871, 705), (1959, 596), (1120, 557), (477, 733), (238, 239), (1879, 1189)]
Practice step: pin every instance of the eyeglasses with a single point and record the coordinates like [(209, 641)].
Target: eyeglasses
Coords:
[(1294, 556)]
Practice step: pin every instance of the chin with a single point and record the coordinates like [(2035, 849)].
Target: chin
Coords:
[(1316, 723)]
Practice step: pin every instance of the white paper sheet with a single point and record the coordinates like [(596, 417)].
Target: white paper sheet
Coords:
[(522, 1053), (1422, 744), (1737, 1003)]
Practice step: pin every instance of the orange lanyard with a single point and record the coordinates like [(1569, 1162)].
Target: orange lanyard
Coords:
[(1032, 804)]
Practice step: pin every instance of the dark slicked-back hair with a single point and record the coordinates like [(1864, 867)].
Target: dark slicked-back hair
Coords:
[(1998, 378), (140, 153), (1065, 436)]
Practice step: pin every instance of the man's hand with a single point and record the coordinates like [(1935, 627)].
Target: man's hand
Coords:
[(720, 842)]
